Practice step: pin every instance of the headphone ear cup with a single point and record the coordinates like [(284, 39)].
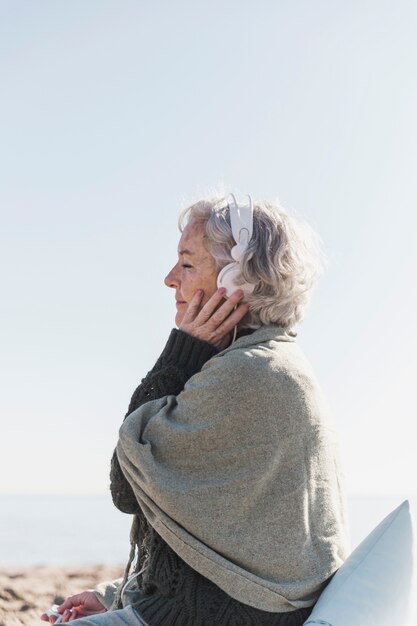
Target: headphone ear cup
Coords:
[(228, 278)]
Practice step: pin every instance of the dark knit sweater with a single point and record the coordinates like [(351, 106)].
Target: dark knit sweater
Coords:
[(172, 593)]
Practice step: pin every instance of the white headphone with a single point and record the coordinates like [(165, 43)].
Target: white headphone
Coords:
[(241, 221)]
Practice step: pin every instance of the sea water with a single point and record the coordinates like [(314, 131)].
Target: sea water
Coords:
[(64, 530), (76, 530)]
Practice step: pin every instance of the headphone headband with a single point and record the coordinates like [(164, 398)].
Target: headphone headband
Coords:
[(241, 219), (241, 222)]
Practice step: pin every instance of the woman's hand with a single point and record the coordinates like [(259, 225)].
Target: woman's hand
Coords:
[(215, 321), (80, 605)]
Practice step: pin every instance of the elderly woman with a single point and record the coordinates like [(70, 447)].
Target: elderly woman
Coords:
[(227, 457)]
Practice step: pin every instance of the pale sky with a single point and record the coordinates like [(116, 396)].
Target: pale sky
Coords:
[(113, 116)]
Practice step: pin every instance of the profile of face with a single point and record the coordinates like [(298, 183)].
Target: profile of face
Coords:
[(194, 270)]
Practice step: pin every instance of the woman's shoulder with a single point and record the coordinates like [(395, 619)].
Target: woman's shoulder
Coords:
[(269, 352), (264, 374), (267, 346)]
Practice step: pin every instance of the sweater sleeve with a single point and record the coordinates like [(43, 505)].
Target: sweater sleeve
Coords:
[(106, 591), (182, 357)]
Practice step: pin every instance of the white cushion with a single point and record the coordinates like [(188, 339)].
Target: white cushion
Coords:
[(373, 586)]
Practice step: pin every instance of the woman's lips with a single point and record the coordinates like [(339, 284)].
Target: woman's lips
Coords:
[(180, 302)]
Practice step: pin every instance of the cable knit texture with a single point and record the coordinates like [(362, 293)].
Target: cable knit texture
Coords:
[(176, 595)]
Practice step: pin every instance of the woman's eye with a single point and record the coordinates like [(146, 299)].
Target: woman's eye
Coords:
[(186, 265)]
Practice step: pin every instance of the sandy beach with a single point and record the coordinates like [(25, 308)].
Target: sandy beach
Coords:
[(25, 592)]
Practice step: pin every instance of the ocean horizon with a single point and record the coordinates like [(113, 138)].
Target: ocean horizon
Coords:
[(87, 530)]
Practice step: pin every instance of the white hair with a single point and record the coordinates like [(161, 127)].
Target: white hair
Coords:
[(283, 259)]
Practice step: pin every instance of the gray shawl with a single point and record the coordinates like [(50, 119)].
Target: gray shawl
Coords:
[(240, 473)]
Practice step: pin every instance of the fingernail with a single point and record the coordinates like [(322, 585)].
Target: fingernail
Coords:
[(222, 290), (239, 293), (200, 292)]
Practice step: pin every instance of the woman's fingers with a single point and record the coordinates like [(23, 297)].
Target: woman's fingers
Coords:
[(216, 318), (72, 601), (232, 320), (211, 312), (193, 308), (212, 304), (68, 607), (226, 310), (215, 315), (84, 603)]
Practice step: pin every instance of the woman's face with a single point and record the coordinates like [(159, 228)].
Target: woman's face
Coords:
[(195, 269)]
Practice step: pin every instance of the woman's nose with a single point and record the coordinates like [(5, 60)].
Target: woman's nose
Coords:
[(171, 279)]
